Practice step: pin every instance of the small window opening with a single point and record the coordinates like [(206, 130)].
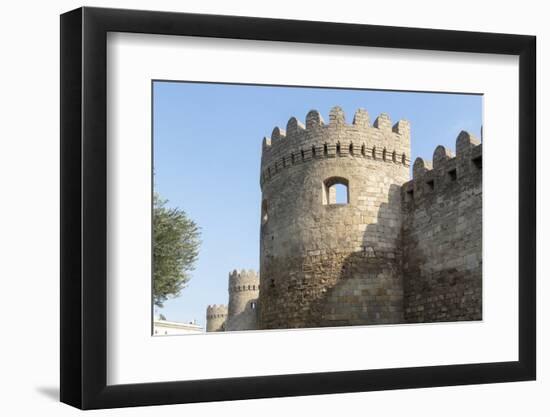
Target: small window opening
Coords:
[(253, 305), (264, 212), (351, 148), (384, 154), (430, 184), (477, 162), (394, 156), (363, 149), (403, 159), (410, 195), (374, 152), (452, 175), (313, 151), (335, 191), (303, 155), (325, 149), (292, 158), (338, 149)]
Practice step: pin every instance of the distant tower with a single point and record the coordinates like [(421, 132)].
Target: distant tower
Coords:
[(244, 288), (216, 316), (324, 261)]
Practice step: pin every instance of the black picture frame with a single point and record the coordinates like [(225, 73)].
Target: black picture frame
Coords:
[(84, 207)]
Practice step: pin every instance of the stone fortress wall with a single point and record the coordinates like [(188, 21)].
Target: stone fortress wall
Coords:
[(324, 263), (396, 251), (442, 235)]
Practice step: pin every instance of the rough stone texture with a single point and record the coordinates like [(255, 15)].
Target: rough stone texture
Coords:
[(442, 236), (325, 264), (398, 251)]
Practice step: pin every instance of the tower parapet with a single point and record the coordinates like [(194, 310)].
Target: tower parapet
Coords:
[(301, 143), (442, 235), (216, 316), (326, 261), (243, 288)]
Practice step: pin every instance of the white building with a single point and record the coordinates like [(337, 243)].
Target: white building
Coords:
[(166, 328)]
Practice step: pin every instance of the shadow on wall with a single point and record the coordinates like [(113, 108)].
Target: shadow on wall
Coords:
[(338, 288), (368, 287)]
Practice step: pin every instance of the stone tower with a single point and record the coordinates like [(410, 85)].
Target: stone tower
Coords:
[(244, 287), (323, 261), (216, 316)]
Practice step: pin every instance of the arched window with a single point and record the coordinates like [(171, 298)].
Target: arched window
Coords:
[(325, 149), (363, 149), (253, 305), (384, 154), (351, 148), (264, 212), (338, 149), (313, 151), (335, 191), (374, 152)]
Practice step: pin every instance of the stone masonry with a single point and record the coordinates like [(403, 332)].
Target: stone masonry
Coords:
[(393, 251)]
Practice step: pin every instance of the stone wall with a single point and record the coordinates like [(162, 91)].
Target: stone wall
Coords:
[(327, 264), (442, 236), (395, 251)]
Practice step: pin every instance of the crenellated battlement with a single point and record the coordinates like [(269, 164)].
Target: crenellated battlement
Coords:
[(446, 168), (244, 280), (442, 235), (216, 311), (299, 143)]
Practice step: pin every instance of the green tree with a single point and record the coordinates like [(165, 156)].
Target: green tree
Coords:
[(176, 241)]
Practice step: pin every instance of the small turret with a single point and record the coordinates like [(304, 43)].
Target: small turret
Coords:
[(216, 317), (244, 289)]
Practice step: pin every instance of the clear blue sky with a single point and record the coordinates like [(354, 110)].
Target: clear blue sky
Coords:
[(207, 147)]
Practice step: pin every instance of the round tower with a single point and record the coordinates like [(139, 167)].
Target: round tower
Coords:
[(331, 220), (244, 288), (216, 317)]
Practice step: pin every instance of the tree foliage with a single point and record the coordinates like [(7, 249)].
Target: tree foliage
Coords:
[(176, 241)]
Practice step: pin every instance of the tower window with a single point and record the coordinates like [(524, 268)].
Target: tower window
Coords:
[(335, 191), (264, 212), (452, 175), (253, 305)]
